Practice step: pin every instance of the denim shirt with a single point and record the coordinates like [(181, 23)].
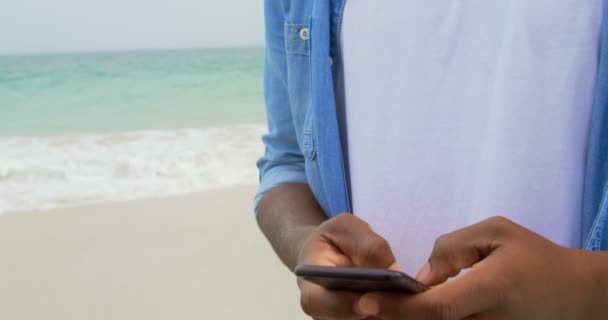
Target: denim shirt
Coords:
[(303, 143)]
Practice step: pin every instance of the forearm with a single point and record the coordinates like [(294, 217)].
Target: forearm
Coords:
[(287, 215), (596, 269)]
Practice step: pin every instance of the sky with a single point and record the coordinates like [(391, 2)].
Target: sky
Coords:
[(49, 26)]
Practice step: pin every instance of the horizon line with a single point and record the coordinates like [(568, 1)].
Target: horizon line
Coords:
[(126, 50)]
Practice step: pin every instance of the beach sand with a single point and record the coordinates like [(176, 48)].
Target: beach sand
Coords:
[(197, 256)]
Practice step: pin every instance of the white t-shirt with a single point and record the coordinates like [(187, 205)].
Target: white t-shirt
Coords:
[(456, 111)]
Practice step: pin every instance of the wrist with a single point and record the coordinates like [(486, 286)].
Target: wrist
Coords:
[(300, 236)]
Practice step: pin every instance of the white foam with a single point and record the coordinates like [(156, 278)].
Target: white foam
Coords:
[(44, 173)]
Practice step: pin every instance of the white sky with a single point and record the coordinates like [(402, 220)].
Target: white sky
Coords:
[(36, 26)]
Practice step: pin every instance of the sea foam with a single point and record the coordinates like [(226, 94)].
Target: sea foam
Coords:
[(44, 173)]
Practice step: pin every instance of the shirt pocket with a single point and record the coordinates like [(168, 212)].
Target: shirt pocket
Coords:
[(297, 49), (297, 39)]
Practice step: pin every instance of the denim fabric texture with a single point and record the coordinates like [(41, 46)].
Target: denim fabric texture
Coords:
[(303, 143)]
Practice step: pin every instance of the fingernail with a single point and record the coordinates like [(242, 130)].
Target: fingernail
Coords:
[(395, 267), (424, 273), (368, 306)]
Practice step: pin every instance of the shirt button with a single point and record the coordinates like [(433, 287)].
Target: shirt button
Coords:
[(305, 34), (331, 61)]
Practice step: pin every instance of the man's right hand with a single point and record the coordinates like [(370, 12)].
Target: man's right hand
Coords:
[(344, 241)]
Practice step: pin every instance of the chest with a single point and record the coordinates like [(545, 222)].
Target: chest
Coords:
[(446, 28)]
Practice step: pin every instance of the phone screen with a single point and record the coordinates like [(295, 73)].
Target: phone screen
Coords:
[(360, 279)]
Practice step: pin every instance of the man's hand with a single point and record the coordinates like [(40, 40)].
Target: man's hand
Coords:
[(344, 241), (515, 274)]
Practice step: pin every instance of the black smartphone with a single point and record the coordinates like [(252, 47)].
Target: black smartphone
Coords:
[(360, 279)]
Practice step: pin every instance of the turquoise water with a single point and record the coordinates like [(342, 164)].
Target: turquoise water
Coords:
[(112, 92), (86, 128)]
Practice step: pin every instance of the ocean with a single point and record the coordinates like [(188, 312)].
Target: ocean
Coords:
[(97, 127)]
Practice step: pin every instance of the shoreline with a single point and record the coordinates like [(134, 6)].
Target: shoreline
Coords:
[(54, 172), (94, 205)]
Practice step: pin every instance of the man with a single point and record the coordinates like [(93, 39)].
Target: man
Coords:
[(470, 132)]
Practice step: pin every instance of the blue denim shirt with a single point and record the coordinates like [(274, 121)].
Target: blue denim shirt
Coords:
[(303, 143)]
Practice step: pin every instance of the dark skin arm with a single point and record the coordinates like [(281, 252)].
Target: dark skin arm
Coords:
[(300, 233), (287, 215), (515, 273)]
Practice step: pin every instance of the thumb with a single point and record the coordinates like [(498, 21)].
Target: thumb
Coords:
[(355, 239), (462, 249)]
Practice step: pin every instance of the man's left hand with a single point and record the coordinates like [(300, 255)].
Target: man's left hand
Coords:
[(514, 274)]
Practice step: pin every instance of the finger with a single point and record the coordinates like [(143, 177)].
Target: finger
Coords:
[(463, 298), (462, 249), (323, 253), (322, 303), (395, 267), (355, 238), (366, 318)]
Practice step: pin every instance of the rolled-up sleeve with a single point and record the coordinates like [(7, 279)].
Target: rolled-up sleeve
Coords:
[(283, 161)]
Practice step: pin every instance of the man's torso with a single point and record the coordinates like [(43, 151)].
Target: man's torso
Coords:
[(457, 111)]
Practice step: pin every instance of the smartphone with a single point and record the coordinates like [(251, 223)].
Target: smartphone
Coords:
[(360, 279)]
